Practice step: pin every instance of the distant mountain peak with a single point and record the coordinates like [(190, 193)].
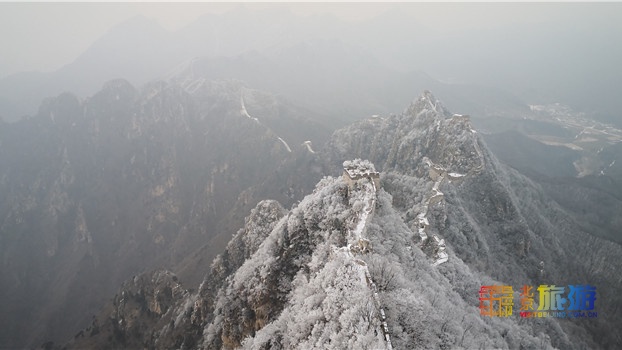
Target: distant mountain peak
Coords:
[(400, 142), (426, 102)]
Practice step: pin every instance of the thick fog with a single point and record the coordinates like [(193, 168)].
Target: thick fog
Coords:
[(538, 53), (177, 175)]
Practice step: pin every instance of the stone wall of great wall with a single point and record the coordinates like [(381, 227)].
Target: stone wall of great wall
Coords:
[(363, 183)]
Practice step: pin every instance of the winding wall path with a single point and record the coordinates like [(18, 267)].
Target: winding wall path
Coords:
[(358, 243)]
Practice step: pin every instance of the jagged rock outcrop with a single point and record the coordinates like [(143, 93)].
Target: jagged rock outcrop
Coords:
[(261, 221), (299, 289), (149, 302), (135, 311), (494, 219), (400, 142), (96, 190)]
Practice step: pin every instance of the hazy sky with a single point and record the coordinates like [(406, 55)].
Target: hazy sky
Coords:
[(45, 36)]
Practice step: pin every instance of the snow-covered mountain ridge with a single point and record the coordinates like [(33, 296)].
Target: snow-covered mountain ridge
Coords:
[(300, 290), (292, 278)]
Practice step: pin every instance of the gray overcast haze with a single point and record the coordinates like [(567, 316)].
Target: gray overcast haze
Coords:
[(46, 36), (136, 137), (539, 52)]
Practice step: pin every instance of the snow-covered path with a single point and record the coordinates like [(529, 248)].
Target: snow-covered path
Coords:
[(480, 155), (286, 145), (368, 198), (435, 197), (244, 112), (356, 238), (308, 144)]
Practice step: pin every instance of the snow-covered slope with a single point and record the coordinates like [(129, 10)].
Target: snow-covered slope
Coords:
[(300, 289), (348, 267)]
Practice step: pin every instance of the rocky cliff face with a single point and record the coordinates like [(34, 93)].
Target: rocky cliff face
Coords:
[(97, 190), (497, 221), (400, 142), (291, 279)]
